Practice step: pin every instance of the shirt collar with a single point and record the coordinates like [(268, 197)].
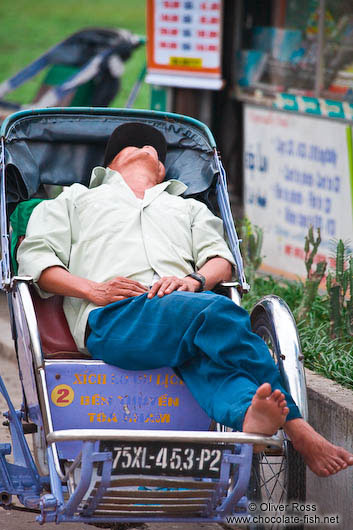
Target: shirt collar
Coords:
[(101, 175)]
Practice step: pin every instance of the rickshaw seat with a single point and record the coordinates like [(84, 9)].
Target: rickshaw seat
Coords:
[(57, 341)]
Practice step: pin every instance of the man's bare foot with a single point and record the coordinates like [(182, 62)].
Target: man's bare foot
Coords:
[(322, 457), (267, 412)]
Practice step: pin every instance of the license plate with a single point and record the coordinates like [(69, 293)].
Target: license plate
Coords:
[(171, 459)]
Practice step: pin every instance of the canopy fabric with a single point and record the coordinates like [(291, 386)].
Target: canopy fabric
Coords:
[(60, 148)]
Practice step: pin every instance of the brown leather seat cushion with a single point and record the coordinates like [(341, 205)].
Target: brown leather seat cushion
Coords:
[(56, 338)]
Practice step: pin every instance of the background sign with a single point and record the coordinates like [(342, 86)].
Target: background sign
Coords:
[(184, 43), (296, 174)]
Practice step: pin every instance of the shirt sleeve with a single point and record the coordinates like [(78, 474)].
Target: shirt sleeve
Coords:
[(48, 239), (207, 236)]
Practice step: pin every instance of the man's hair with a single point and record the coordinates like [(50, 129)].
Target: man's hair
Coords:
[(137, 135)]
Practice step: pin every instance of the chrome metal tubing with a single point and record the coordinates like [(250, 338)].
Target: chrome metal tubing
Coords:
[(235, 295), (226, 214), (38, 361), (230, 284), (47, 419), (85, 480), (288, 346), (22, 286), (72, 467), (122, 435), (4, 236)]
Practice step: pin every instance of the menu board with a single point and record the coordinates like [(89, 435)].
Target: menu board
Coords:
[(296, 174), (184, 43)]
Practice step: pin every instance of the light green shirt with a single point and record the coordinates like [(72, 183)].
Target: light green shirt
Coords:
[(105, 231)]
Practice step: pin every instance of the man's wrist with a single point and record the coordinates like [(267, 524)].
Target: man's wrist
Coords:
[(200, 279), (89, 290), (194, 284)]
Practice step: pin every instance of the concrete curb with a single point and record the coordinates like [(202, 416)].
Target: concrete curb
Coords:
[(331, 414)]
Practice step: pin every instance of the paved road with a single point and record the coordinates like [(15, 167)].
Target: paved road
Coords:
[(26, 521), (16, 520)]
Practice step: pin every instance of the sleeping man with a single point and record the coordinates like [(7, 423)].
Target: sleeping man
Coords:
[(136, 263)]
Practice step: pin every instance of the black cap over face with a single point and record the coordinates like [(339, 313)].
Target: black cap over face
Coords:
[(136, 135)]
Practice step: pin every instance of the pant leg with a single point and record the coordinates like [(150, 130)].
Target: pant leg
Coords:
[(206, 336)]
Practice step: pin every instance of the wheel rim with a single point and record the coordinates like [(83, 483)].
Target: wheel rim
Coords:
[(274, 475)]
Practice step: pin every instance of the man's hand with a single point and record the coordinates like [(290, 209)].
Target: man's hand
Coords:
[(118, 288), (57, 280), (168, 284)]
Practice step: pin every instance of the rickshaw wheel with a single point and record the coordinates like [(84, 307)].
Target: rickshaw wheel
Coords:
[(277, 477)]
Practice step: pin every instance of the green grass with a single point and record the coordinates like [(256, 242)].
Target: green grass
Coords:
[(332, 358), (29, 28)]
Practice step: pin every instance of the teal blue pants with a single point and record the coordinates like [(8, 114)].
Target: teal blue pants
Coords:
[(205, 336)]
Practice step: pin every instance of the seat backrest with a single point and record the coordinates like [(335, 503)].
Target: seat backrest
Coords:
[(57, 341)]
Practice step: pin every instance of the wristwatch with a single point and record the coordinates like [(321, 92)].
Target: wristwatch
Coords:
[(200, 279)]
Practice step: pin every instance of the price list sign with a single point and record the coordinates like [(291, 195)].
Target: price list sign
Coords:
[(184, 43)]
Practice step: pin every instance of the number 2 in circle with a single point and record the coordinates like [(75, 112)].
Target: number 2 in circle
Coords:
[(62, 395)]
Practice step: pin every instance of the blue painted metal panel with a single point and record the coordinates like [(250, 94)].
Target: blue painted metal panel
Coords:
[(100, 396)]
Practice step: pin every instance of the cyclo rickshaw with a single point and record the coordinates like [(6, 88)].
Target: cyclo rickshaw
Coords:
[(111, 445)]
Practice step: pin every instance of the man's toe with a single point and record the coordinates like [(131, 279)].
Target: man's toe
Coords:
[(324, 472), (264, 391), (276, 395)]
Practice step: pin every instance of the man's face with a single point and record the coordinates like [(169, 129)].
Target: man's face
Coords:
[(146, 157)]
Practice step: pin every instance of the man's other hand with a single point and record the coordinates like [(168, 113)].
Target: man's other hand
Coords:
[(168, 284), (118, 288)]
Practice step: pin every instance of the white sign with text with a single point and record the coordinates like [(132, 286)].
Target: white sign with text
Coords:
[(296, 175)]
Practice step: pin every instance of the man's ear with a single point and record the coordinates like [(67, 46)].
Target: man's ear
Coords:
[(161, 170)]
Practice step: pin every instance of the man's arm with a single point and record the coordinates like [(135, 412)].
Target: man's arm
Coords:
[(215, 270), (212, 256), (207, 236), (58, 280), (48, 238)]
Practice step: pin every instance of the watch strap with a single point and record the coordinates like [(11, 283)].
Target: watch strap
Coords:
[(201, 279)]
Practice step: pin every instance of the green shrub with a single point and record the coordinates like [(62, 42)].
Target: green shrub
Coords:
[(324, 325)]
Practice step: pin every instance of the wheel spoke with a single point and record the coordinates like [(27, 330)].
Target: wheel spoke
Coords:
[(277, 474)]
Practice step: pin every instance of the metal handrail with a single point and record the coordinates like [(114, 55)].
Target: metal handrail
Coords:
[(226, 213), (123, 435)]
